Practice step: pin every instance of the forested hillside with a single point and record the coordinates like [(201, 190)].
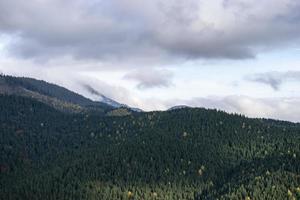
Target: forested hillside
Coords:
[(179, 154), (56, 96)]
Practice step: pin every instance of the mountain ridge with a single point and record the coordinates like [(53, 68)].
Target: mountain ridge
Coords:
[(59, 97)]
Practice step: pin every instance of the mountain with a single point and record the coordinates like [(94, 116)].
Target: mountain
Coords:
[(188, 153), (178, 107), (54, 95), (116, 104)]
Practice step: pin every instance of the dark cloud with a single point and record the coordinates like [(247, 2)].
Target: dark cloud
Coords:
[(81, 29), (274, 79), (151, 78), (132, 30)]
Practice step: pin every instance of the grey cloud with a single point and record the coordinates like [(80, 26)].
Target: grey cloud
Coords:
[(151, 78), (58, 28), (160, 31), (274, 79)]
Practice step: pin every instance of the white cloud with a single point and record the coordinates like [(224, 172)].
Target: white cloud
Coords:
[(277, 108)]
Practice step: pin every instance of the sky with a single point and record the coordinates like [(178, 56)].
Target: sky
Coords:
[(240, 56)]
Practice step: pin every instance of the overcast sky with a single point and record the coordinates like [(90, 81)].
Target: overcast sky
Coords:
[(236, 55)]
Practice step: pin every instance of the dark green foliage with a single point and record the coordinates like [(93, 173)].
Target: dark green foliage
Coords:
[(180, 154)]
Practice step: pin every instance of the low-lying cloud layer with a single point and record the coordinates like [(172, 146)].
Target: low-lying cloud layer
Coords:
[(276, 108), (134, 30)]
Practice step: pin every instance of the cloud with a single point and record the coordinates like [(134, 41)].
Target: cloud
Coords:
[(153, 31), (151, 78), (274, 79), (276, 108), (95, 88)]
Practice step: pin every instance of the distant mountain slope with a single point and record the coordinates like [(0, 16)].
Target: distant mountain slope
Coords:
[(178, 107), (51, 94)]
